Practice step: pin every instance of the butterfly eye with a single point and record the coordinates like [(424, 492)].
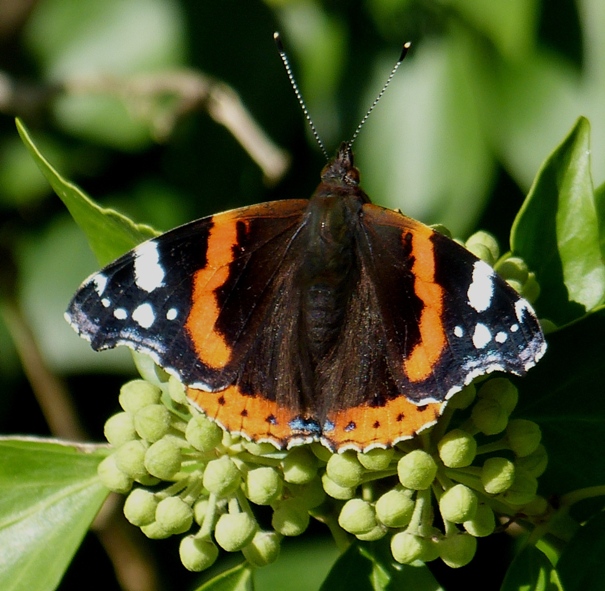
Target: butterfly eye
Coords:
[(352, 177)]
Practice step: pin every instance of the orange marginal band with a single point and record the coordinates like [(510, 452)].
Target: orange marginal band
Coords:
[(255, 417), (365, 427)]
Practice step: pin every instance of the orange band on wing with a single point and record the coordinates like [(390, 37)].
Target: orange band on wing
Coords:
[(364, 427), (419, 363), (210, 345)]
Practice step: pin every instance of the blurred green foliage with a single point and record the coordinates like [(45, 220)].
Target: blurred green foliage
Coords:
[(486, 93)]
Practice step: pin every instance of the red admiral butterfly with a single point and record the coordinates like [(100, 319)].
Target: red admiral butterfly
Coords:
[(329, 319)]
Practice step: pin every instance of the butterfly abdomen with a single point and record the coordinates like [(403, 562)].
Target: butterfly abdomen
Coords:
[(329, 271)]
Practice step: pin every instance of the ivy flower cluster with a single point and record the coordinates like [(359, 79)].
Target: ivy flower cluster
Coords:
[(433, 495)]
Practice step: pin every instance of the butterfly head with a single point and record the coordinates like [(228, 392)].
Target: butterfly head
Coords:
[(341, 169)]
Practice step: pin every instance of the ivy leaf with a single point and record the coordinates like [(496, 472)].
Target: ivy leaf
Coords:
[(370, 567), (109, 233), (563, 395), (557, 232), (238, 578), (581, 564), (531, 569), (49, 495)]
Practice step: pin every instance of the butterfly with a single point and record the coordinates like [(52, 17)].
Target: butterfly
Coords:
[(327, 319)]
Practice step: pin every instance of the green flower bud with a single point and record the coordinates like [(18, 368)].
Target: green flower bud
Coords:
[(310, 495), (174, 515), (197, 555), (203, 434), (299, 466), (176, 391), (376, 533), (259, 449), (497, 475), (513, 268), (148, 480), (342, 493), (154, 531), (489, 416), (523, 437), (442, 229), (136, 394), (484, 246), (417, 470), (535, 463), (531, 288), (516, 285), (233, 531), (344, 469), (112, 477), (457, 550), (263, 485), (464, 398), (163, 458), (458, 504), (394, 508), (407, 547), (357, 517), (522, 491), (376, 459), (321, 452), (222, 477), (140, 507), (457, 449), (200, 508), (130, 458), (152, 422), (290, 518), (119, 429), (483, 523), (263, 549), (502, 391)]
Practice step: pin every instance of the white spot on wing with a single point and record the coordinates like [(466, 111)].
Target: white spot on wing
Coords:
[(120, 313), (100, 282), (481, 289), (106, 302), (501, 337), (458, 331), (143, 315), (172, 314), (148, 273), (514, 328), (521, 307), (481, 336)]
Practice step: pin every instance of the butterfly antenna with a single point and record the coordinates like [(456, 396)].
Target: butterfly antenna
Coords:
[(404, 52), (286, 61)]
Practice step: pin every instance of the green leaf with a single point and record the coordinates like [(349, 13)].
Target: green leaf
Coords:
[(557, 232), (110, 234), (581, 564), (531, 571), (370, 566), (599, 196), (49, 495), (238, 578), (563, 394)]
